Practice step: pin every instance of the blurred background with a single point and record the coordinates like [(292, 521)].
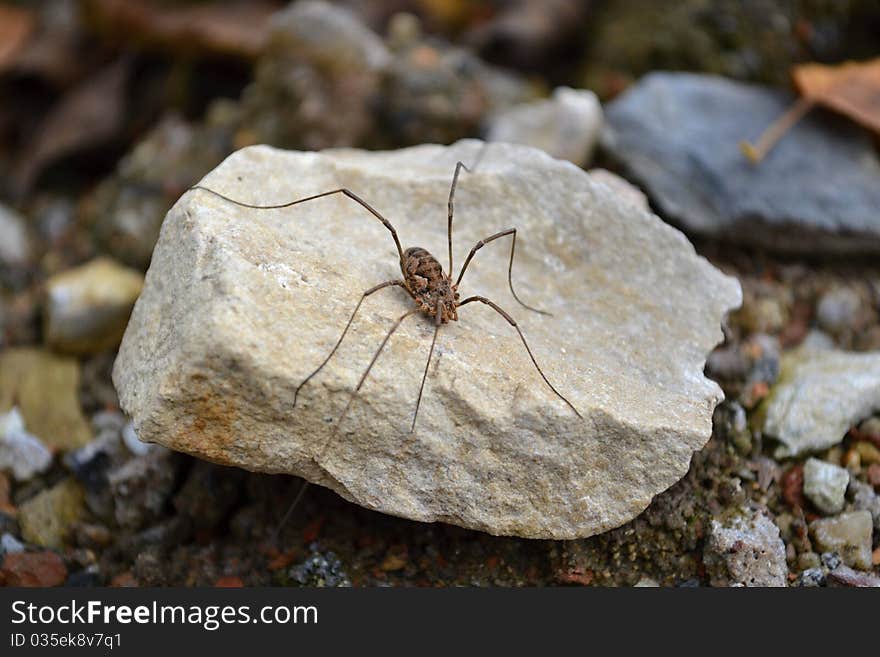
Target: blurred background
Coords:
[(110, 109)]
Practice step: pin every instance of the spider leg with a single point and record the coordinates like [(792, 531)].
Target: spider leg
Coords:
[(351, 397), (427, 364), (346, 192), (458, 167), (381, 286), (512, 322), (479, 245)]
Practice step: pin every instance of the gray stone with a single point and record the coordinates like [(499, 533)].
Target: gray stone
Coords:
[(87, 307), (239, 306), (819, 396), (328, 34), (565, 126), (816, 192), (21, 453), (865, 499), (825, 485), (15, 244), (848, 534), (745, 550), (838, 309), (10, 545)]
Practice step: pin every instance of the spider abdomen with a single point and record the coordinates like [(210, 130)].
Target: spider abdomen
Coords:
[(428, 283)]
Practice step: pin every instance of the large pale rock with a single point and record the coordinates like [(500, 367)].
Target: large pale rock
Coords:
[(240, 305)]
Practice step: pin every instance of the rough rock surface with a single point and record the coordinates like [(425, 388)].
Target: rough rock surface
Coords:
[(819, 396), (825, 485), (239, 306), (745, 550), (678, 135), (565, 126), (625, 191)]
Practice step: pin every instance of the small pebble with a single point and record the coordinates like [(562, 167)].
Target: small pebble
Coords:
[(47, 517), (132, 442), (848, 534), (868, 453), (33, 569), (87, 308), (9, 544), (21, 453), (825, 485), (837, 310), (811, 577), (807, 560)]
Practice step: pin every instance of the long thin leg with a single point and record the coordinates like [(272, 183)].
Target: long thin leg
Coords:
[(479, 245), (427, 364), (381, 286), (512, 322), (458, 167), (367, 373), (354, 197), (351, 397)]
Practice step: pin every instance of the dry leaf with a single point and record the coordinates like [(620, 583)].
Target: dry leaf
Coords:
[(16, 27), (239, 29), (851, 88), (90, 114)]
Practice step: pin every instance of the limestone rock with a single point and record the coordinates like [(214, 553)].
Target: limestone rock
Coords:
[(825, 485), (678, 135), (819, 396), (745, 550), (565, 126), (239, 306), (622, 188), (45, 388), (848, 534), (87, 307)]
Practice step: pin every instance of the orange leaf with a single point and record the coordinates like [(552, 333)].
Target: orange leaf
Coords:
[(852, 88)]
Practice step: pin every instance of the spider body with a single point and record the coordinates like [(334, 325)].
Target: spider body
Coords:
[(431, 288)]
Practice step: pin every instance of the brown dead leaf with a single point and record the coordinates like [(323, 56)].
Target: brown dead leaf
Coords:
[(240, 29), (89, 115), (16, 27), (852, 88)]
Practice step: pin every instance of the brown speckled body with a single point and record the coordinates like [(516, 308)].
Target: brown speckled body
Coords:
[(429, 285)]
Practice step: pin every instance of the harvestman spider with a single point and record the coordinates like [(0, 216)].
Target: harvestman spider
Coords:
[(424, 280)]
